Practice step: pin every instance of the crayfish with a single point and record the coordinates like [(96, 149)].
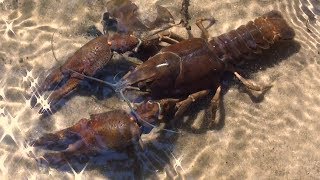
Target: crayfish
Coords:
[(174, 77)]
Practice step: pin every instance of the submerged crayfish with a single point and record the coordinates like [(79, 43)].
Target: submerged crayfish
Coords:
[(178, 75)]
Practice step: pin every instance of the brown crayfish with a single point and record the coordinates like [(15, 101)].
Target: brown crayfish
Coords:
[(174, 78)]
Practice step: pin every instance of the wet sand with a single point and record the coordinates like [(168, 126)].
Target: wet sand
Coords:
[(274, 136)]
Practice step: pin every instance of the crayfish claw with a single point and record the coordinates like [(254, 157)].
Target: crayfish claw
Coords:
[(60, 83), (52, 80), (56, 141), (88, 60), (67, 88), (110, 130), (55, 159)]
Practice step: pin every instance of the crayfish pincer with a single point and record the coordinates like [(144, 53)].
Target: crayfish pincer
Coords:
[(113, 130), (88, 60)]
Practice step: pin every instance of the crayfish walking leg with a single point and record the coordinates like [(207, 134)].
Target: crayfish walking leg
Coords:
[(184, 104), (214, 104)]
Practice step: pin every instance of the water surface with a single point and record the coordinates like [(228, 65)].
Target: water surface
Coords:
[(274, 136)]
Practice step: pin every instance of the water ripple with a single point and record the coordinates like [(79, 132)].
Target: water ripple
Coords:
[(276, 136)]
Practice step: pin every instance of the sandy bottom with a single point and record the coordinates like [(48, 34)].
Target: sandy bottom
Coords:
[(270, 136)]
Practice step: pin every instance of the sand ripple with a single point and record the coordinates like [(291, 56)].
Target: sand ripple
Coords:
[(275, 136)]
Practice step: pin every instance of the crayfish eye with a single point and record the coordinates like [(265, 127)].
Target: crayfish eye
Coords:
[(142, 85)]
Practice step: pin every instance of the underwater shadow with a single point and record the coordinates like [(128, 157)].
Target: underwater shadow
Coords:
[(277, 53)]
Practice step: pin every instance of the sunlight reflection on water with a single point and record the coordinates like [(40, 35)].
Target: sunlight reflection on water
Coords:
[(276, 137)]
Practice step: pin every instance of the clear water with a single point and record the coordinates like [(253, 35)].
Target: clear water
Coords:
[(275, 136)]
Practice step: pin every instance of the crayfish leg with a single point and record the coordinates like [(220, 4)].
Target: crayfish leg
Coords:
[(251, 85), (170, 37), (184, 104), (162, 36), (202, 28), (215, 101)]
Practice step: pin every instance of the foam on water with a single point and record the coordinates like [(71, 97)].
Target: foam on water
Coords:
[(274, 136)]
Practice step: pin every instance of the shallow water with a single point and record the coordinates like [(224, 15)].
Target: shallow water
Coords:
[(274, 136)]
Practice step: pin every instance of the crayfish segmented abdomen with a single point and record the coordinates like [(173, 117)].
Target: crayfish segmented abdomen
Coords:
[(251, 38)]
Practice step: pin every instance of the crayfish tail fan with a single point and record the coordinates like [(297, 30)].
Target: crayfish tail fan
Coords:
[(279, 24)]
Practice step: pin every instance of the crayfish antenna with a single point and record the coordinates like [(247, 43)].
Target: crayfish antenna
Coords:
[(112, 86), (138, 116), (53, 53), (119, 88)]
